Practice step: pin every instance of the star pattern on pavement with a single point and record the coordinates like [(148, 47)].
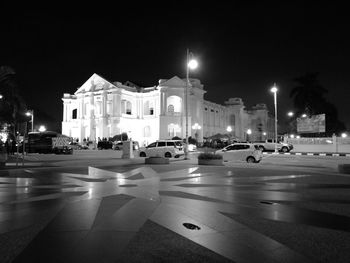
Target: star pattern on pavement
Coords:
[(99, 215)]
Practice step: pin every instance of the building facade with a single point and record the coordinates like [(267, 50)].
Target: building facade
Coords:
[(103, 109)]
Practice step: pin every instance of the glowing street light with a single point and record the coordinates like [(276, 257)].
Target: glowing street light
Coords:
[(31, 113), (274, 91), (344, 135), (304, 115), (249, 132), (290, 114), (196, 127), (191, 63), (42, 128)]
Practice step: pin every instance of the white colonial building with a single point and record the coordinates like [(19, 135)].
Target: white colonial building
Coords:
[(103, 109)]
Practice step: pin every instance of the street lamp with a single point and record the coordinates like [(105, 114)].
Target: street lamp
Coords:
[(290, 114), (249, 132), (229, 130), (42, 128), (190, 64), (196, 127), (31, 113), (274, 91)]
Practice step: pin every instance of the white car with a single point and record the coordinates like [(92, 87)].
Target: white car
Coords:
[(269, 145), (163, 148), (241, 152)]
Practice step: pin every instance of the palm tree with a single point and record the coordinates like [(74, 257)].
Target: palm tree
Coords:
[(308, 95)]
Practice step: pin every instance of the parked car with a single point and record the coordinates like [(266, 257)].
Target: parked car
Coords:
[(104, 145), (163, 148), (241, 152), (269, 145), (118, 145), (191, 147), (78, 146)]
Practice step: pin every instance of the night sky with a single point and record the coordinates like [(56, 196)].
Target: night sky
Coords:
[(242, 49)]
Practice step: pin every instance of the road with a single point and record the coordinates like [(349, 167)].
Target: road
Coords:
[(93, 206)]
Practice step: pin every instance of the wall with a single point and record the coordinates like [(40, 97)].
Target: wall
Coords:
[(327, 145)]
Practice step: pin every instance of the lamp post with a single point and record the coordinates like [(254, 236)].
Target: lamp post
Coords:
[(196, 127), (229, 130), (249, 132), (274, 91), (31, 113), (190, 64)]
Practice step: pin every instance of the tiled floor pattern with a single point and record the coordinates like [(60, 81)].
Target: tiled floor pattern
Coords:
[(106, 216)]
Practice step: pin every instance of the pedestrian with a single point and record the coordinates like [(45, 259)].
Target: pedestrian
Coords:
[(7, 146)]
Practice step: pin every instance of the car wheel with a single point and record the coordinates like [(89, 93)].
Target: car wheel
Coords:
[(250, 159), (142, 154), (262, 148), (167, 155), (284, 149)]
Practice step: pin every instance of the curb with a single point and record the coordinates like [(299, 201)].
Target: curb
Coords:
[(312, 154)]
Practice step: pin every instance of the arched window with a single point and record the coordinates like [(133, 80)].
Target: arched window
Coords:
[(174, 104)]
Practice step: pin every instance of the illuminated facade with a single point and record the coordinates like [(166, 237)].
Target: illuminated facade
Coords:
[(102, 109)]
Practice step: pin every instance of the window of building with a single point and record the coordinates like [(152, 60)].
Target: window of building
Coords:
[(176, 103), (74, 114), (98, 108), (232, 120), (148, 108), (109, 107), (171, 108), (126, 107)]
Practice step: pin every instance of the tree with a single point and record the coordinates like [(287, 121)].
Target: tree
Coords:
[(308, 97), (12, 105)]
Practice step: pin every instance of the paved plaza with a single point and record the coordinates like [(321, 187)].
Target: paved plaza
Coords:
[(125, 211)]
